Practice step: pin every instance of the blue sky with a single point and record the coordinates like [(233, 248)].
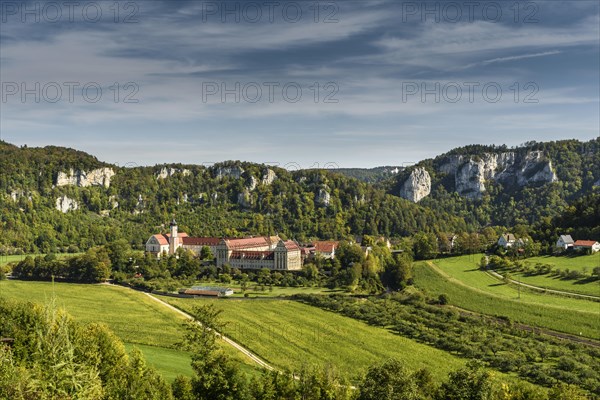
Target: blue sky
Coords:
[(381, 82)]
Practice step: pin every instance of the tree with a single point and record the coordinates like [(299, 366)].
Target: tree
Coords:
[(389, 381), (216, 376), (397, 273), (424, 246), (470, 383)]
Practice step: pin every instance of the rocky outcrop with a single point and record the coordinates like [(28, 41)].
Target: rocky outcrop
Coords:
[(167, 172), (268, 177), (536, 170), (234, 172), (244, 199), (417, 186), (252, 184), (597, 183), (96, 177), (323, 197), (65, 204), (471, 173)]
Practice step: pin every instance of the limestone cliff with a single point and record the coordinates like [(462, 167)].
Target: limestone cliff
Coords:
[(472, 172), (65, 204), (417, 186), (96, 177), (234, 172), (268, 177)]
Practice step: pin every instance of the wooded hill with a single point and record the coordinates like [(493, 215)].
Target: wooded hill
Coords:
[(53, 198)]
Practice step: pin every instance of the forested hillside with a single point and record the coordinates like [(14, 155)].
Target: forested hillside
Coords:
[(58, 199), (49, 202), (498, 186)]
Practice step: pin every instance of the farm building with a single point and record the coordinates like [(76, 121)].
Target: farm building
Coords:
[(590, 245), (207, 291)]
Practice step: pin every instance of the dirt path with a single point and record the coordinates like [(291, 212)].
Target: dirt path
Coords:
[(541, 289), (236, 345)]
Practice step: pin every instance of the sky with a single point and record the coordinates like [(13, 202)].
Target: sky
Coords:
[(299, 84)]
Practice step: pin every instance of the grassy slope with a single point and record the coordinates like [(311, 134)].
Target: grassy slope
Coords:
[(582, 263), (289, 334), (466, 270), (13, 258), (253, 289), (135, 318), (471, 290)]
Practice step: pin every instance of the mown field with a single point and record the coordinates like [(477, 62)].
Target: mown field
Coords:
[(254, 290), (466, 270), (476, 291), (584, 263), (289, 334), (133, 316)]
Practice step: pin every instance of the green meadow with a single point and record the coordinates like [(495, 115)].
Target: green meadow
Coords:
[(289, 334), (133, 316), (474, 290)]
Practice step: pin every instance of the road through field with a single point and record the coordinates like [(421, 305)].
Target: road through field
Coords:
[(236, 345)]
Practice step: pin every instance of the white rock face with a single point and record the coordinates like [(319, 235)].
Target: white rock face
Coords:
[(253, 183), (597, 183), (244, 199), (167, 172), (113, 201), (96, 177), (234, 172), (323, 197), (417, 186), (536, 170), (65, 204), (269, 177), (472, 173), (16, 194)]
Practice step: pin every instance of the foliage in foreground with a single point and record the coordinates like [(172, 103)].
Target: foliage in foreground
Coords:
[(53, 357)]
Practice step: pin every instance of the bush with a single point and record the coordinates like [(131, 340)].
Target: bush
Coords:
[(443, 299)]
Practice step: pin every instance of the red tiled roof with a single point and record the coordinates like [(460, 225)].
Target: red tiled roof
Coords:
[(585, 243), (248, 242), (201, 241), (163, 240), (326, 246), (291, 245)]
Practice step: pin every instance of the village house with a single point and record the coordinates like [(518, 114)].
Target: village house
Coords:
[(589, 245), (507, 240), (565, 242), (326, 248)]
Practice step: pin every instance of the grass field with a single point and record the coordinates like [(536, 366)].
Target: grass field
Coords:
[(476, 291), (581, 263), (133, 316), (289, 334), (253, 290)]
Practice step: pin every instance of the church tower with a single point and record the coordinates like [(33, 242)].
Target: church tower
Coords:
[(174, 239)]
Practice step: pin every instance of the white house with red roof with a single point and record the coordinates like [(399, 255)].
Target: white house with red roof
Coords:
[(591, 245)]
